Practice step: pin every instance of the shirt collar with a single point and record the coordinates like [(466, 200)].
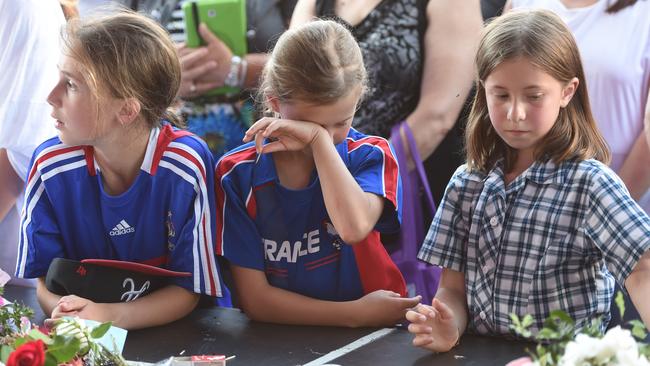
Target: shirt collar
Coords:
[(540, 172)]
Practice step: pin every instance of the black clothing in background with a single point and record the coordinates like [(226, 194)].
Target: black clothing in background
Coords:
[(492, 8)]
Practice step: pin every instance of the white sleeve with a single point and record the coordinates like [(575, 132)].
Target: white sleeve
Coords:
[(29, 52)]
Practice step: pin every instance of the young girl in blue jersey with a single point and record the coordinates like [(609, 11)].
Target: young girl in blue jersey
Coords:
[(117, 182), (535, 221), (303, 205)]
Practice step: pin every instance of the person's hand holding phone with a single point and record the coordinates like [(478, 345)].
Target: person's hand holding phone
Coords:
[(203, 68)]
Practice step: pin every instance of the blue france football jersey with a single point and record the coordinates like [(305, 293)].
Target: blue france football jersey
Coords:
[(288, 234), (166, 218)]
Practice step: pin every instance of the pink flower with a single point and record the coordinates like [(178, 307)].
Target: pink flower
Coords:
[(75, 362)]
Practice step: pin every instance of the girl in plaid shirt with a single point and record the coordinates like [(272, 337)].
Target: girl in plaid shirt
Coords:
[(535, 221)]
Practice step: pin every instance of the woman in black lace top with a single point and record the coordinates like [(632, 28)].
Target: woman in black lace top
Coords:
[(419, 57)]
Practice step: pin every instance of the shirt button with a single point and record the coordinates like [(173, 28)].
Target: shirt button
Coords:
[(494, 221), (482, 315)]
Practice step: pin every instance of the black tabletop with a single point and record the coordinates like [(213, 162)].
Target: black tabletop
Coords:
[(229, 332)]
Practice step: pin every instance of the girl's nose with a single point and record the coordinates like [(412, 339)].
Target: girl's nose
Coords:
[(54, 98), (516, 112)]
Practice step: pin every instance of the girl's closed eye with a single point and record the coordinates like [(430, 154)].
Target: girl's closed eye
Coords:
[(501, 95), (536, 97)]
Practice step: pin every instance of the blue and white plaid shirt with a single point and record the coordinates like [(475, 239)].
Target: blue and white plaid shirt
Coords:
[(557, 237)]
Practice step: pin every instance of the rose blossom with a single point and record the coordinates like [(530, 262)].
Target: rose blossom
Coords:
[(29, 354)]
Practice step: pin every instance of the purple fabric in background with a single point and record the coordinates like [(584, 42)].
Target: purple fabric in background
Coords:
[(421, 278)]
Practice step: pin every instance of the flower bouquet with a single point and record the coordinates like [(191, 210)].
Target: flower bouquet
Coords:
[(69, 341), (559, 346)]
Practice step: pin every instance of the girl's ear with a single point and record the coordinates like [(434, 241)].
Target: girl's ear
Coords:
[(129, 111), (274, 103), (568, 91)]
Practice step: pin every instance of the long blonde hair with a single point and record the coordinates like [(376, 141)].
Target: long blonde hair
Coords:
[(542, 38), (318, 63), (127, 55)]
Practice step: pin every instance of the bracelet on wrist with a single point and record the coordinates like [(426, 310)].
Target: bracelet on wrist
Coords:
[(232, 78), (243, 70)]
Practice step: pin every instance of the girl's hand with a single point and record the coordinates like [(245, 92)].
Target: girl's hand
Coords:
[(287, 135), (434, 326), (72, 305), (383, 308)]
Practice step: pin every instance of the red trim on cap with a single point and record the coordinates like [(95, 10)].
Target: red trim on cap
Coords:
[(136, 267), (156, 262)]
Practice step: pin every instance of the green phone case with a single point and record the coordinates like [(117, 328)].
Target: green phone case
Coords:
[(226, 19)]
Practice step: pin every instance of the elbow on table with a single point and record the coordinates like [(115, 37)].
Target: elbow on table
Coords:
[(256, 312), (253, 304)]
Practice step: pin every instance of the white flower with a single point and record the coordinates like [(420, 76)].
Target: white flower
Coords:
[(74, 327), (617, 347)]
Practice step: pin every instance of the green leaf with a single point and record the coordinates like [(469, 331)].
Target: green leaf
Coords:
[(638, 329), (37, 334), (593, 329), (19, 342), (4, 353), (546, 360), (562, 316), (100, 330), (514, 318), (64, 351), (520, 326), (527, 321), (620, 303), (50, 360)]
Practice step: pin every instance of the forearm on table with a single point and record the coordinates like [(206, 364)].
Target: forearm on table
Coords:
[(160, 307), (635, 171), (46, 299), (266, 303), (285, 307)]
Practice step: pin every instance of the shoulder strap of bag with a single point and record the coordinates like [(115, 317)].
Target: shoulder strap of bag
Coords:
[(418, 165)]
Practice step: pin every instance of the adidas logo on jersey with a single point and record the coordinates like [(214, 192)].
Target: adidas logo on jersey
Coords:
[(122, 228)]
